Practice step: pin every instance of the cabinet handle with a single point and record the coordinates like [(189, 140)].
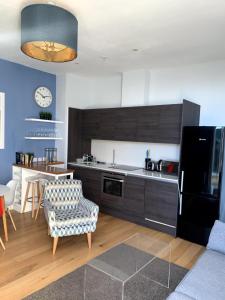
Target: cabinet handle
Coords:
[(113, 179)]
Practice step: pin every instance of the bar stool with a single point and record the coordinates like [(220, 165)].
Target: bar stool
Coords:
[(42, 181), (33, 182)]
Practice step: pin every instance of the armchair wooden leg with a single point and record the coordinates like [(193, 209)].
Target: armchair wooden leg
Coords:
[(55, 242), (11, 218), (89, 239), (1, 242)]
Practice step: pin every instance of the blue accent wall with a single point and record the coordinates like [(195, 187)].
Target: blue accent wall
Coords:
[(19, 83)]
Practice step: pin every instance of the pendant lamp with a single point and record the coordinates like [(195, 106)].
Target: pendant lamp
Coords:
[(48, 33)]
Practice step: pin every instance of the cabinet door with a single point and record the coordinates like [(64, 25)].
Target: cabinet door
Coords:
[(107, 119), (170, 123), (90, 123), (161, 202), (133, 201), (148, 124), (91, 183), (125, 124), (159, 124), (74, 134)]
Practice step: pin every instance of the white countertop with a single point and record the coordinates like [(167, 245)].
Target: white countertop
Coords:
[(137, 173)]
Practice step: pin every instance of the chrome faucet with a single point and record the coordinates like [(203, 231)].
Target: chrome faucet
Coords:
[(114, 154)]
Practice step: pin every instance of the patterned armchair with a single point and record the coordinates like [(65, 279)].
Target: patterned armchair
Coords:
[(67, 211)]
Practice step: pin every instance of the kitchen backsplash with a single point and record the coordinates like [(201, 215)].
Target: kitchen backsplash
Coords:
[(133, 153)]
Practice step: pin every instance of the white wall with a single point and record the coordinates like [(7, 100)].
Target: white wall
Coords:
[(201, 83), (133, 153), (83, 92), (135, 88), (90, 92), (62, 116), (2, 120)]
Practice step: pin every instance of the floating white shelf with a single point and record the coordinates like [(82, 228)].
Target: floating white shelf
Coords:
[(42, 138), (43, 121)]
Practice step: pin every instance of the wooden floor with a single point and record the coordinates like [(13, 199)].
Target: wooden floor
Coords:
[(28, 265)]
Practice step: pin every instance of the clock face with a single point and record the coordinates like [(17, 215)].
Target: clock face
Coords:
[(43, 96)]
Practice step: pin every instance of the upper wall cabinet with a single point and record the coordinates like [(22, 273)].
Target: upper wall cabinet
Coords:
[(152, 124), (156, 124), (2, 120), (110, 124), (159, 124), (90, 123)]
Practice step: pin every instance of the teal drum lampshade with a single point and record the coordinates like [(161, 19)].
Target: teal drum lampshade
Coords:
[(48, 33)]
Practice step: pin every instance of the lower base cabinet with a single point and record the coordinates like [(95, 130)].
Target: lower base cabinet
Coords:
[(131, 206), (134, 193), (161, 205), (91, 183), (151, 203)]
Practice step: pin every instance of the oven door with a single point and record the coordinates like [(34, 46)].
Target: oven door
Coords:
[(112, 185)]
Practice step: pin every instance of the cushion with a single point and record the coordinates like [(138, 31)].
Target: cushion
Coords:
[(73, 216), (179, 296), (63, 191), (217, 237), (206, 280)]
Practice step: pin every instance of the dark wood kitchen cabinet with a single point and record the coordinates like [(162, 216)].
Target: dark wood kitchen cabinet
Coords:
[(75, 139), (159, 124), (152, 124), (125, 124), (110, 124), (161, 205), (91, 182), (90, 123), (148, 202), (106, 119), (131, 204), (134, 193)]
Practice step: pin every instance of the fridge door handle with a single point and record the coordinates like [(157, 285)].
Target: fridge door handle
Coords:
[(182, 181), (180, 192), (180, 204)]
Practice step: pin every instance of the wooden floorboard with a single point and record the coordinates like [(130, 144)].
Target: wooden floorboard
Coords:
[(27, 265)]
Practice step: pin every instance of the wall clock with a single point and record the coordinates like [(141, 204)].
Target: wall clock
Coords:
[(43, 96)]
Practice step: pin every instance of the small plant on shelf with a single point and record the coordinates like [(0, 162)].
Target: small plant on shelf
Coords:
[(45, 115)]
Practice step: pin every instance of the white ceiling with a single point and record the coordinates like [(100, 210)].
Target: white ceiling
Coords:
[(166, 32)]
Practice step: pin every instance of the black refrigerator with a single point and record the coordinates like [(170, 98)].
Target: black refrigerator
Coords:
[(200, 181)]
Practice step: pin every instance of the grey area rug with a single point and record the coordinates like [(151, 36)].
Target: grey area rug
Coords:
[(109, 277)]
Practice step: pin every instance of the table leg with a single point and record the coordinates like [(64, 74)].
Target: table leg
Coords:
[(4, 218)]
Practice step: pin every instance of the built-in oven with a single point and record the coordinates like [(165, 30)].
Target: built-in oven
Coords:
[(112, 186)]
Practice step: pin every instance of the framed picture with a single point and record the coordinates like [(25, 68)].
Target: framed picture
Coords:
[(2, 120)]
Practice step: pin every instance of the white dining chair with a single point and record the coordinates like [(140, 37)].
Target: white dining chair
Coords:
[(9, 199)]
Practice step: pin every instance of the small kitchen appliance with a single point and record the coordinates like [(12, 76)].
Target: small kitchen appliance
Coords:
[(88, 158), (149, 165)]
